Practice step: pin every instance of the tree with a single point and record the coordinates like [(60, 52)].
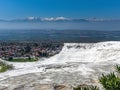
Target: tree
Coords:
[(10, 58), (29, 57), (27, 49)]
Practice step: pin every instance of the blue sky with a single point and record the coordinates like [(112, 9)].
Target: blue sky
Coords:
[(10, 9)]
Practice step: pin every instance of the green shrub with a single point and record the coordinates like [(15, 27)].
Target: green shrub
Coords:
[(110, 81), (4, 67), (24, 60), (87, 88), (117, 67)]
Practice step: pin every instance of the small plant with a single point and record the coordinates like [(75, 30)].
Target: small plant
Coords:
[(4, 67), (117, 67), (87, 88), (110, 81)]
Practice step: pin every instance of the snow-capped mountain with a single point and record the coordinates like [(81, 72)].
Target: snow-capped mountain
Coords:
[(55, 19), (46, 19)]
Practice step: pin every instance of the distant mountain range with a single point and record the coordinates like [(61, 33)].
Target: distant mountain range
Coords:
[(56, 19)]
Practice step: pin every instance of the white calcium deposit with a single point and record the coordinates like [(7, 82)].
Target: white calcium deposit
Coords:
[(87, 56), (87, 52)]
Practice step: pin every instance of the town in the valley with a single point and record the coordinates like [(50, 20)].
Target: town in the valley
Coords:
[(29, 50)]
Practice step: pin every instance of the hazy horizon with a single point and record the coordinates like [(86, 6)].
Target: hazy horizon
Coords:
[(62, 25)]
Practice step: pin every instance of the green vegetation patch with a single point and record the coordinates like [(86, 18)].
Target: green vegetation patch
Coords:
[(117, 67), (110, 81), (4, 67), (24, 60)]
